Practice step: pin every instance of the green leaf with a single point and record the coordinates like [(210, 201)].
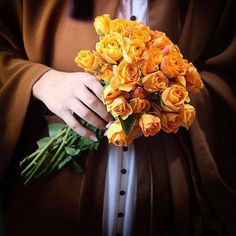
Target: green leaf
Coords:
[(43, 141), (103, 82), (100, 133), (64, 162), (77, 167), (72, 151), (127, 124), (87, 144), (55, 128)]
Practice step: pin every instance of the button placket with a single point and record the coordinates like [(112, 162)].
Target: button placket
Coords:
[(122, 190)]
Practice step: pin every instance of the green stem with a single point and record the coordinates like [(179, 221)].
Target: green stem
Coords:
[(36, 168), (31, 156), (68, 130), (61, 156), (43, 150)]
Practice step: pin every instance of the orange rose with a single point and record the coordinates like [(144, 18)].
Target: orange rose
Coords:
[(149, 124), (105, 73), (136, 131), (173, 66), (127, 76), (134, 50), (173, 98), (138, 92), (133, 24), (193, 80), (137, 25), (152, 61), (171, 49), (118, 26), (188, 115), (102, 24), (179, 80), (159, 40), (170, 121), (87, 60), (116, 135), (110, 47), (136, 33), (109, 94), (157, 109), (140, 105), (120, 107), (155, 82)]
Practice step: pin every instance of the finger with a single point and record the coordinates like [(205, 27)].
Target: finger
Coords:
[(92, 83), (77, 127), (85, 113), (91, 101)]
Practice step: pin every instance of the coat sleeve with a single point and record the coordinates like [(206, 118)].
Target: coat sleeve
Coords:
[(17, 76), (213, 132)]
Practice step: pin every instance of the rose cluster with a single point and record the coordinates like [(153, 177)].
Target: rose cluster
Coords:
[(144, 76)]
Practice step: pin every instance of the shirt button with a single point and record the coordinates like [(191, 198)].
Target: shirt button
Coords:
[(125, 149), (122, 193), (133, 17), (123, 171), (120, 214)]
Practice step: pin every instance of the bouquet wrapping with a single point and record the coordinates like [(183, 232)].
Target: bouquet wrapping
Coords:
[(147, 85)]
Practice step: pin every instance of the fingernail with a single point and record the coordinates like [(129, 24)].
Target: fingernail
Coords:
[(109, 124), (93, 138)]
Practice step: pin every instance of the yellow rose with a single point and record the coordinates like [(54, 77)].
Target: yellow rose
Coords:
[(105, 73), (193, 80), (170, 121), (173, 98), (110, 47), (134, 50), (188, 115), (155, 82), (149, 124), (140, 105), (102, 24), (87, 60), (152, 60), (120, 107), (116, 135), (173, 65), (118, 26), (126, 76), (109, 94)]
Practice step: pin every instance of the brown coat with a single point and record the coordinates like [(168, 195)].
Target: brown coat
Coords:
[(186, 181)]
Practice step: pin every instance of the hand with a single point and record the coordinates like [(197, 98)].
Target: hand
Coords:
[(77, 92)]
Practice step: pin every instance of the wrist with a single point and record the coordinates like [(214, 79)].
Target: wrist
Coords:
[(39, 87)]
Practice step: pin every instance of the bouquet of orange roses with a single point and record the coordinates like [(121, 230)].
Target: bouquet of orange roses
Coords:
[(147, 84), (146, 80)]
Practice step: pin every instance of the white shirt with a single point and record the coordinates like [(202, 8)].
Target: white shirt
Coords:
[(120, 189)]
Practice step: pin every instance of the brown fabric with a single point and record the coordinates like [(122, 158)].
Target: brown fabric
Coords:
[(186, 181)]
